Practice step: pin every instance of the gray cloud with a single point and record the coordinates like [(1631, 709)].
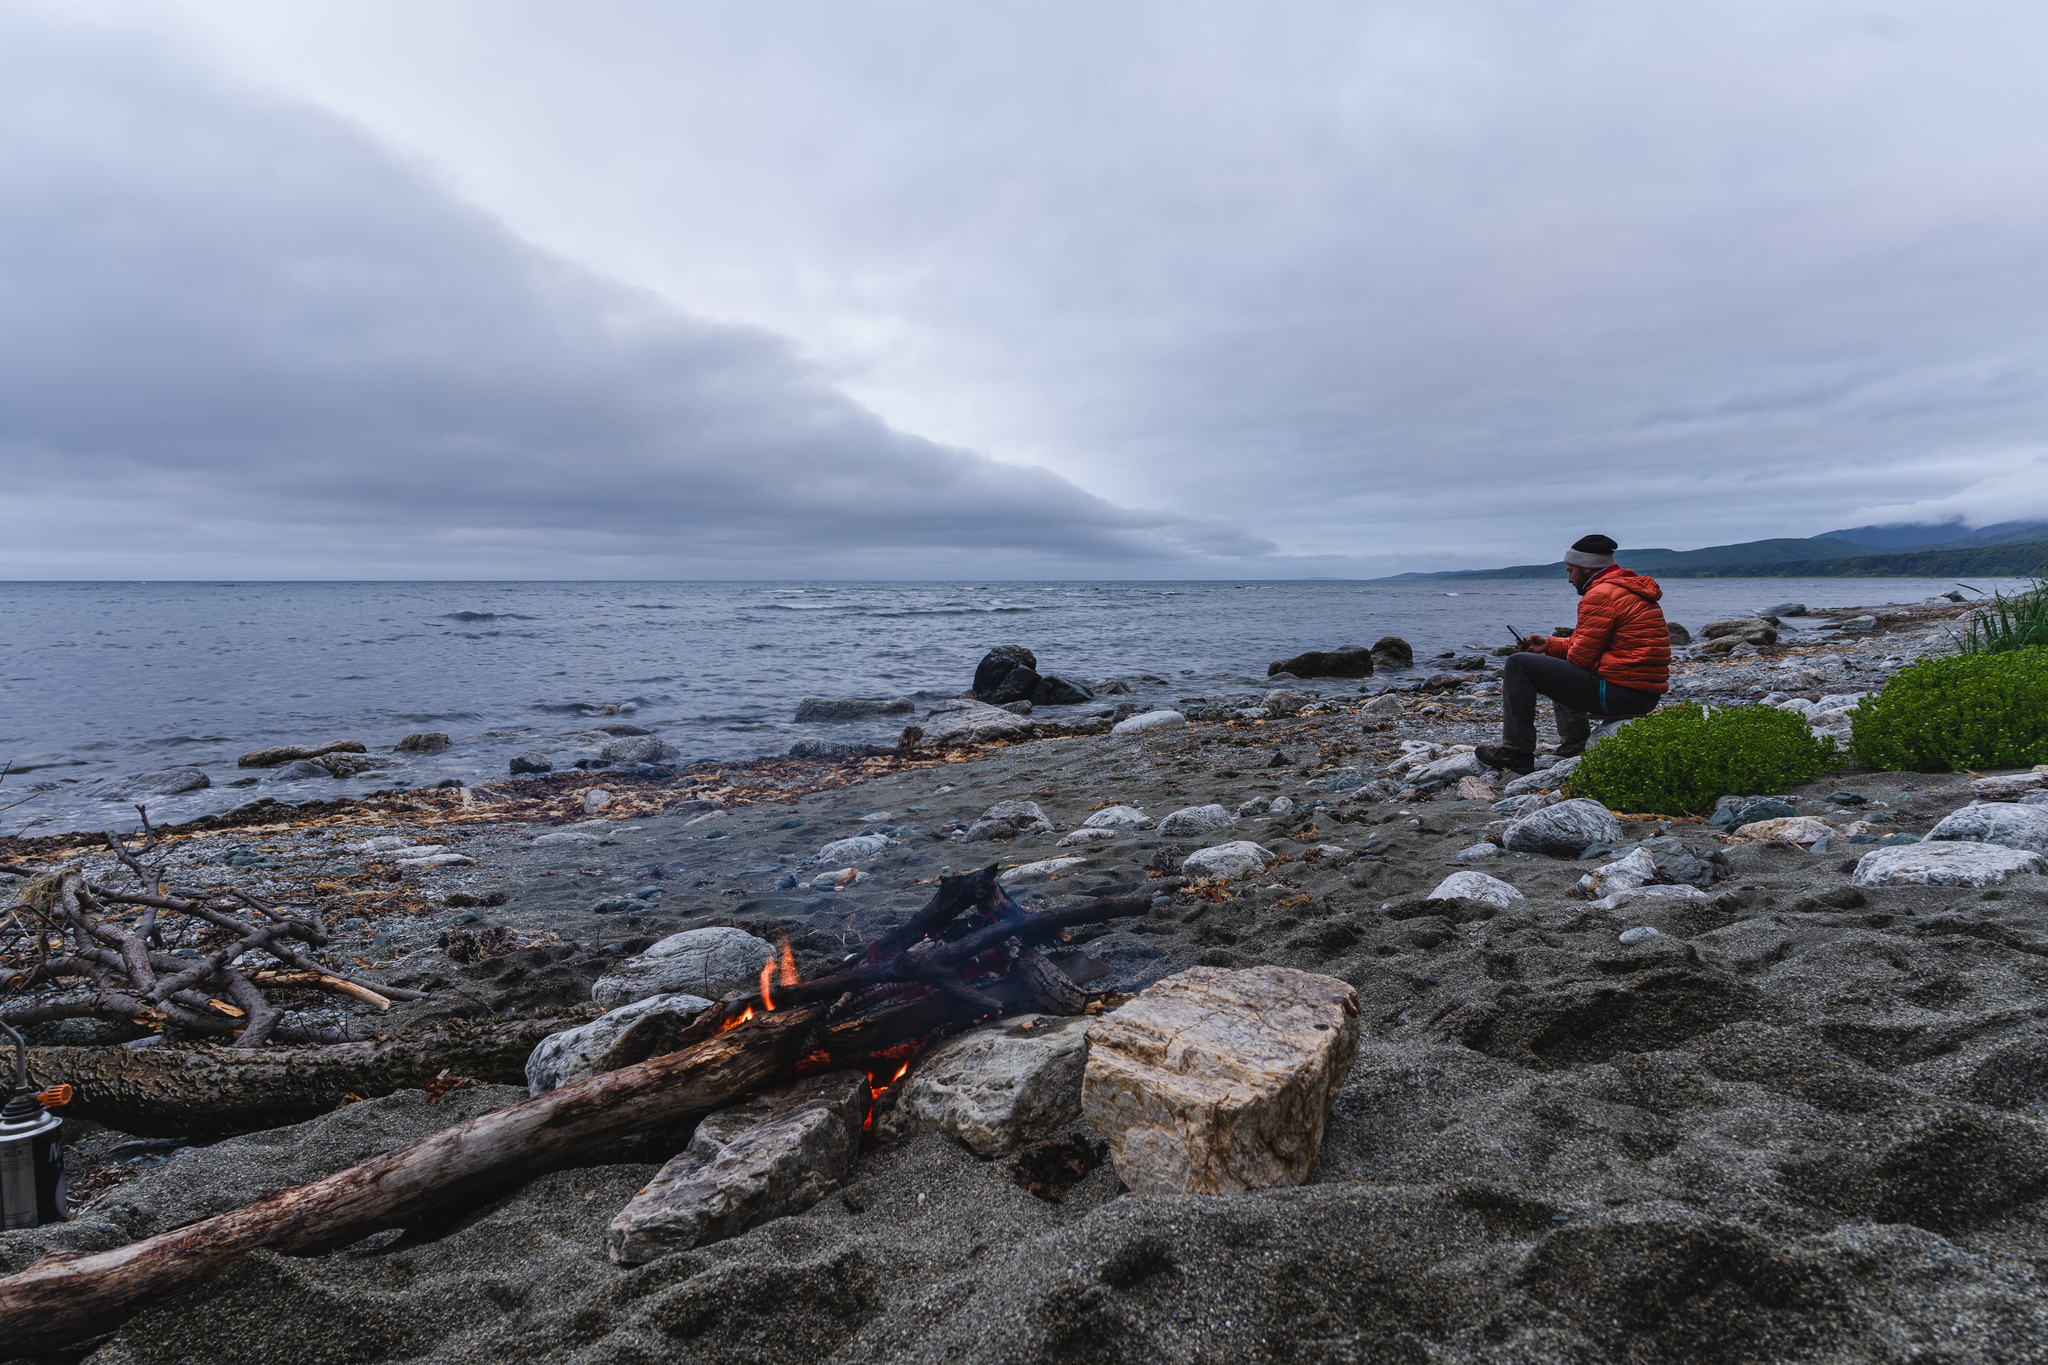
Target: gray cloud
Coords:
[(240, 337), (1324, 288)]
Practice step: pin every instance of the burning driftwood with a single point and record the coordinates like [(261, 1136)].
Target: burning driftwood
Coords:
[(954, 962), (115, 941)]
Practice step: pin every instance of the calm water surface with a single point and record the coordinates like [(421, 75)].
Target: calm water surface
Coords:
[(105, 679)]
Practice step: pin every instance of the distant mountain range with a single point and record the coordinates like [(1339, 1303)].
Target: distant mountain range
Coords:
[(1926, 550)]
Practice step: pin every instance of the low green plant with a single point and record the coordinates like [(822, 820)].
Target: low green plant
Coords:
[(1679, 760), (2008, 622), (1966, 711)]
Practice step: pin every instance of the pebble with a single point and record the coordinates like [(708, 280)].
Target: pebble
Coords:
[(1640, 932)]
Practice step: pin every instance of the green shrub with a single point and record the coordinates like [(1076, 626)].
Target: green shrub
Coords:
[(1679, 760), (2007, 623), (1968, 711)]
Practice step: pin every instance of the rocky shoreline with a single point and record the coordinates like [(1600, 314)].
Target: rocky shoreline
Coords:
[(1805, 1118)]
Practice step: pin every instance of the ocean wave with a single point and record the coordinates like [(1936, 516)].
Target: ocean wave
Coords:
[(654, 606), (487, 616)]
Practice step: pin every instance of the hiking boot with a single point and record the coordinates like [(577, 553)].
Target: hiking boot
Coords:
[(1507, 760), (1569, 750)]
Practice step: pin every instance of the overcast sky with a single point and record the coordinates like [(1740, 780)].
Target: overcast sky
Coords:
[(487, 288)]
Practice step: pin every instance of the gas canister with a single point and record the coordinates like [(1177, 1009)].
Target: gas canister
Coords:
[(31, 1153)]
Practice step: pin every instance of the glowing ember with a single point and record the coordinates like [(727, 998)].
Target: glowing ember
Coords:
[(735, 1023)]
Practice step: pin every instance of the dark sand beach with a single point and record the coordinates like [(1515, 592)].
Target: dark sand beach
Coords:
[(1802, 1121)]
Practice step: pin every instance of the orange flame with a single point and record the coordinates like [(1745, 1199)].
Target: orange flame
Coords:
[(735, 1023), (778, 970)]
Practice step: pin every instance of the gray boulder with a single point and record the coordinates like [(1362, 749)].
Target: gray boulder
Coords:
[(774, 1155), (964, 720), (819, 709), (995, 1086), (639, 749), (2009, 825), (843, 851), (1741, 627), (1943, 864), (1565, 829), (1007, 820), (1786, 609), (1196, 820), (1282, 702), (830, 748), (162, 782), (348, 765), (1679, 634), (532, 761), (1543, 779), (1053, 691), (996, 665), (706, 962), (625, 1036), (298, 770), (1349, 662), (1447, 769), (423, 742), (1391, 651), (1384, 705)]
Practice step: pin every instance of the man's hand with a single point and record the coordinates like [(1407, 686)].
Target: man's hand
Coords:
[(1535, 644)]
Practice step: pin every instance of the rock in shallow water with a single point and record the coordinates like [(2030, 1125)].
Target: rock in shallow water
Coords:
[(706, 962), (1216, 1082), (287, 753), (423, 742), (163, 782), (639, 749), (812, 710), (993, 1087), (774, 1155), (531, 761)]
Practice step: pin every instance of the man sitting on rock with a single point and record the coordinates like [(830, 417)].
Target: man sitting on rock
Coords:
[(1616, 662)]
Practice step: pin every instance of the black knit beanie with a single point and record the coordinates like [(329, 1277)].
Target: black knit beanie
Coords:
[(1591, 552)]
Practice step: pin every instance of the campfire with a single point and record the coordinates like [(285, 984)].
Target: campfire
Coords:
[(971, 953)]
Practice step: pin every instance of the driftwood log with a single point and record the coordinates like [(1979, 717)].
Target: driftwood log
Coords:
[(202, 1090), (950, 964)]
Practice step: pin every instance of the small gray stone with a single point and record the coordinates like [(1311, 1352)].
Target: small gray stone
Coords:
[(1149, 720), (595, 800), (1477, 853), (532, 761), (1384, 705), (840, 852), (1638, 934), (1859, 624), (774, 1155), (1239, 858), (1565, 829), (1447, 769)]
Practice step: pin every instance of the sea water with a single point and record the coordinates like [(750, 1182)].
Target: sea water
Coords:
[(104, 679)]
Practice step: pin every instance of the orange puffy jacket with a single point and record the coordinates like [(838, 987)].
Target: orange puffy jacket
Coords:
[(1621, 635)]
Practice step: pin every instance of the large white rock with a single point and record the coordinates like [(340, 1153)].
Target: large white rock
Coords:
[(621, 1037), (1215, 1082), (854, 849), (1118, 817), (774, 1155), (1148, 720), (707, 962), (1944, 864), (1197, 820), (1543, 779), (2007, 787), (1566, 829), (1240, 858), (1039, 871), (993, 1087), (2014, 826), (1476, 886), (1447, 769)]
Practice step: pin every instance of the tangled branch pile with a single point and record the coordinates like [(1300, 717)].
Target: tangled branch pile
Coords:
[(200, 967)]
